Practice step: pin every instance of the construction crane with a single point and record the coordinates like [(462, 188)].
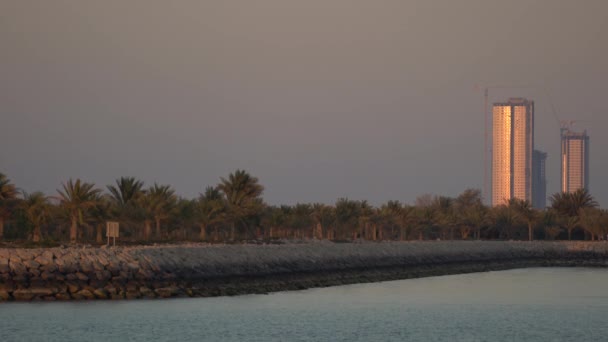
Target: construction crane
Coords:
[(569, 124)]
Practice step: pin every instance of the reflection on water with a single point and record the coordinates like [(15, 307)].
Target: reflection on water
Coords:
[(539, 304)]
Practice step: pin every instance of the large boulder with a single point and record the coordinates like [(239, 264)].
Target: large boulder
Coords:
[(86, 294), (31, 265), (32, 293), (16, 266), (101, 293), (167, 292), (4, 268), (46, 258), (4, 294)]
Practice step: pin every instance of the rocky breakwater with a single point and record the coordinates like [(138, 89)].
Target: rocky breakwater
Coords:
[(203, 270)]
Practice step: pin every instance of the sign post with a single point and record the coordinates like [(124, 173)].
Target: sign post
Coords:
[(112, 231)]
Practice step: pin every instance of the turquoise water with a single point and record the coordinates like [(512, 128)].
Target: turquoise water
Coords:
[(539, 304)]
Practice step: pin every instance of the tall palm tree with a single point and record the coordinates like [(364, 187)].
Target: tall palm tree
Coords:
[(210, 209), (591, 219), (37, 210), (469, 212), (570, 223), (242, 194), (145, 205), (77, 198), (525, 211), (504, 219), (446, 216), (163, 201), (124, 198), (8, 195), (365, 216), (570, 204), (347, 216), (127, 189), (406, 217), (317, 217), (581, 199), (549, 221), (100, 213)]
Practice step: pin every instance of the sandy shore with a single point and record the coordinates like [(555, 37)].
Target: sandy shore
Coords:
[(76, 273)]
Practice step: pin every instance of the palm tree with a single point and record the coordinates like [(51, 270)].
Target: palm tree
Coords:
[(405, 217), (347, 216), (77, 198), (592, 220), (328, 220), (242, 194), (504, 219), (525, 211), (569, 204), (549, 221), (445, 217), (8, 195), (570, 223), (365, 216), (145, 213), (581, 198), (209, 210), (100, 214), (126, 191), (37, 211), (469, 212), (163, 201), (124, 198), (317, 217)]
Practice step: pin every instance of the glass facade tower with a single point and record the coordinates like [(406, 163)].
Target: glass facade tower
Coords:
[(512, 148), (575, 160)]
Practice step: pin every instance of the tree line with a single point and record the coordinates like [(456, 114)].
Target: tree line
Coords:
[(234, 211)]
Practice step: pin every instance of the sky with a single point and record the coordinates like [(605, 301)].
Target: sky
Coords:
[(320, 99)]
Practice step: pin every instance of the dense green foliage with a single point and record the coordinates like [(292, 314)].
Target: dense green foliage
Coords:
[(234, 210)]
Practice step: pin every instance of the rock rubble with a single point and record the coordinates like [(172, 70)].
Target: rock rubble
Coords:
[(85, 273)]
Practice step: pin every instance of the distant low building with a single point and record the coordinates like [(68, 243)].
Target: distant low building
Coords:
[(539, 179)]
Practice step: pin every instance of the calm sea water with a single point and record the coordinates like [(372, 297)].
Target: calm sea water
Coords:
[(540, 304)]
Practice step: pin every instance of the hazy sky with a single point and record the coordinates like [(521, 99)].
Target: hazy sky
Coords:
[(319, 99)]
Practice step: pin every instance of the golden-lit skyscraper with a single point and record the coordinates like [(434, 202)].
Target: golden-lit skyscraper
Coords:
[(575, 160), (512, 148)]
